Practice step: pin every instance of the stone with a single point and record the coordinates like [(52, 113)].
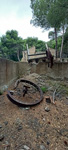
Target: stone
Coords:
[(0, 126), (24, 108), (48, 142), (56, 148), (42, 147), (7, 144), (27, 108), (6, 122), (47, 109), (20, 127), (43, 119), (26, 147), (18, 121), (5, 87), (1, 137)]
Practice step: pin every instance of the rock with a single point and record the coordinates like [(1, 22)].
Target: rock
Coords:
[(1, 137), (56, 148), (20, 127), (47, 109), (18, 121), (0, 126), (27, 108), (43, 119), (48, 142), (42, 147), (24, 108), (7, 143), (5, 87), (6, 122), (26, 147)]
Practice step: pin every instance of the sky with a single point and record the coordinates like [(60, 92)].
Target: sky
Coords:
[(16, 15)]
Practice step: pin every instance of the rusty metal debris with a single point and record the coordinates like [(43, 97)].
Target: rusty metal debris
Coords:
[(25, 93)]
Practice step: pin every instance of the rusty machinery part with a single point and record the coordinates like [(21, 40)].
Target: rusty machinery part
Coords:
[(25, 93)]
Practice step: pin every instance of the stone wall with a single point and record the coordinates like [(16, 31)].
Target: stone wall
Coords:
[(58, 71), (10, 70), (24, 68)]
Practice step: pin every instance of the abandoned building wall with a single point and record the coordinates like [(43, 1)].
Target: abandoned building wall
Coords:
[(8, 72), (58, 71), (24, 68)]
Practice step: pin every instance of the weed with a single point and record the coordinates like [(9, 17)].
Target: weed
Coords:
[(44, 89), (1, 92)]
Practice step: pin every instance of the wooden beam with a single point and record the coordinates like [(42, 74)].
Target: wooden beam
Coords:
[(36, 54)]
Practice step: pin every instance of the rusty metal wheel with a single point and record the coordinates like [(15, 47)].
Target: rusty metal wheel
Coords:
[(25, 93)]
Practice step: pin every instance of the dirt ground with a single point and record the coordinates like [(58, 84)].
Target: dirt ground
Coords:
[(41, 127)]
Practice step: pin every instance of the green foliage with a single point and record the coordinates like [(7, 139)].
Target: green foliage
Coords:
[(65, 47), (51, 44), (40, 9), (51, 35), (59, 42), (11, 44), (40, 46), (31, 41), (50, 14), (1, 92), (44, 89), (13, 34)]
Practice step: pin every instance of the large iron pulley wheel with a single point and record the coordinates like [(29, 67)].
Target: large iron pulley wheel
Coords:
[(25, 93)]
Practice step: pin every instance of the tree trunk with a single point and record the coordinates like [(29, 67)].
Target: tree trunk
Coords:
[(18, 55), (62, 45), (27, 52), (56, 43)]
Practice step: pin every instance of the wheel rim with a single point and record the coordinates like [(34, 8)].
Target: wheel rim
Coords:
[(25, 93)]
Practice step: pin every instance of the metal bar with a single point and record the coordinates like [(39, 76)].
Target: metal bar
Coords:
[(36, 54)]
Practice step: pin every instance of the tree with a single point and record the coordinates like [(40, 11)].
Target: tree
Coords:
[(40, 9), (58, 19), (31, 41), (48, 13), (65, 47), (63, 6), (12, 45), (40, 46), (54, 20)]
